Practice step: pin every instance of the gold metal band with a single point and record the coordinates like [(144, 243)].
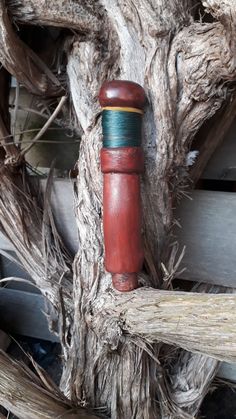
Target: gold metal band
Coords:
[(118, 108)]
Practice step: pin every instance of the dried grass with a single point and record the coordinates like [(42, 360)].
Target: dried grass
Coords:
[(33, 395), (27, 221)]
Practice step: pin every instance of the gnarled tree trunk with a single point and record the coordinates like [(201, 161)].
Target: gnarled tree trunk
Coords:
[(185, 66), (181, 64)]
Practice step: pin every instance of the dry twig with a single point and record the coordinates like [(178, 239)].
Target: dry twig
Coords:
[(202, 323), (45, 127)]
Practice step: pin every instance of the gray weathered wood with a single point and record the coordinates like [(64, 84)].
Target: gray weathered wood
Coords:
[(23, 313), (62, 200), (209, 234)]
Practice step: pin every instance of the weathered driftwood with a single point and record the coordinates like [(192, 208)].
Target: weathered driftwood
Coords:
[(31, 396), (22, 62), (181, 64), (185, 66), (202, 323), (82, 16)]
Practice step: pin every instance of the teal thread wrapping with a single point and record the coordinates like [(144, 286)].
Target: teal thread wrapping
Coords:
[(121, 129)]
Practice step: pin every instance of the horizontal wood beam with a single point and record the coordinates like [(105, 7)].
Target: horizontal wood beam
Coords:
[(201, 323), (208, 230)]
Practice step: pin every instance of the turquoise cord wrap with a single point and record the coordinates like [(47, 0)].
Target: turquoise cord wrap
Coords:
[(121, 129)]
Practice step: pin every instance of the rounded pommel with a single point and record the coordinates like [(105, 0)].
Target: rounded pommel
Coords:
[(122, 93)]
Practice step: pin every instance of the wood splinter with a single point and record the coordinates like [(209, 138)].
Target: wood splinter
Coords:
[(122, 162)]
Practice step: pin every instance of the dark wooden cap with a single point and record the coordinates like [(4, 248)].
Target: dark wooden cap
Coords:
[(122, 93), (125, 282)]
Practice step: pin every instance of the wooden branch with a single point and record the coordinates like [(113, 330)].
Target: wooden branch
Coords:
[(23, 63), (68, 14), (29, 397), (225, 13), (164, 151), (213, 138), (45, 127), (203, 323), (206, 65)]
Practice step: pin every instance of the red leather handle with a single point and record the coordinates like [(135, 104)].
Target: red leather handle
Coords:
[(122, 212)]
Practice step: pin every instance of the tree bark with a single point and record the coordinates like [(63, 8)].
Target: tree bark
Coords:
[(181, 63), (186, 67), (196, 322), (23, 63), (81, 16)]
